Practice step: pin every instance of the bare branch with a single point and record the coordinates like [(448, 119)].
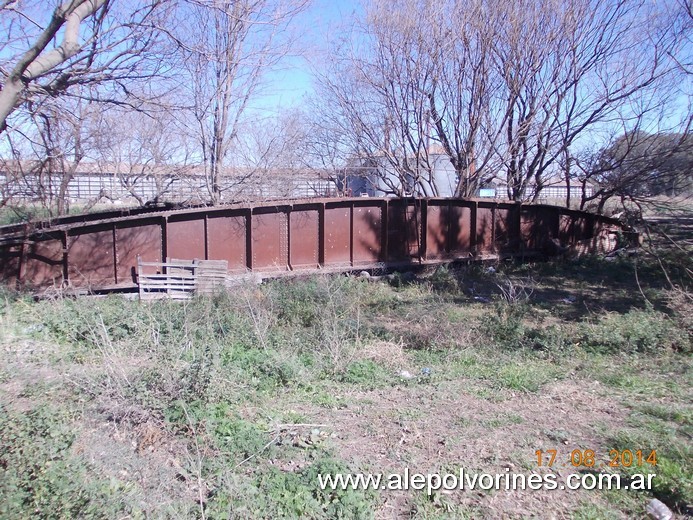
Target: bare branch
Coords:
[(33, 64)]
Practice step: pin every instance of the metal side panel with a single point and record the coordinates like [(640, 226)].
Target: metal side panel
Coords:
[(304, 238), (9, 263), (226, 236), (337, 236), (186, 239), (44, 263), (484, 230), (530, 222), (403, 232), (506, 234), (537, 227), (367, 240), (91, 258), (143, 239), (574, 227), (270, 241), (459, 231), (437, 231)]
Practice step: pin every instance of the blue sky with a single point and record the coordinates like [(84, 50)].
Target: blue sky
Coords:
[(317, 26)]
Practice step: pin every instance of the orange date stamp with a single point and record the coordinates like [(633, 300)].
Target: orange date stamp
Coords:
[(589, 458)]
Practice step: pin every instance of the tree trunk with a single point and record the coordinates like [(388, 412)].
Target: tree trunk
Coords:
[(33, 64), (9, 98)]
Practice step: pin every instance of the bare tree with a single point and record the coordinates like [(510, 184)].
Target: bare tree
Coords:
[(684, 36), (272, 142), (419, 94), (116, 50), (35, 63), (49, 152), (636, 166), (511, 90), (464, 96), (375, 104), (147, 152), (233, 46), (567, 70)]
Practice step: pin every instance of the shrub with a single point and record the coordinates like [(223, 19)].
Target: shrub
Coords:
[(299, 302), (444, 280), (39, 476), (367, 373), (333, 311), (505, 326), (646, 331), (554, 340)]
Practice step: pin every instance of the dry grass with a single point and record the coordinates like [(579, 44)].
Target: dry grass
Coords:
[(228, 405)]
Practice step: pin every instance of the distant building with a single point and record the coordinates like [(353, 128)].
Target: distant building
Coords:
[(91, 182), (376, 177), (373, 177), (553, 188), (139, 184)]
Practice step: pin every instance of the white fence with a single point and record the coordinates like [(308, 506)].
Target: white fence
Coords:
[(95, 187)]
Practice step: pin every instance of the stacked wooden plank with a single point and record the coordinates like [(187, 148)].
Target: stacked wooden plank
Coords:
[(180, 279), (210, 275)]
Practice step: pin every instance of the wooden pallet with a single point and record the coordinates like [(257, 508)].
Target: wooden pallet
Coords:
[(180, 279)]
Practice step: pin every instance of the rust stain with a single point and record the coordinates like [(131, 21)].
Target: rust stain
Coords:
[(101, 250)]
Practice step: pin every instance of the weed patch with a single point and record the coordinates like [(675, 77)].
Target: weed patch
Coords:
[(672, 485), (366, 373), (636, 331), (279, 494), (40, 476), (251, 393)]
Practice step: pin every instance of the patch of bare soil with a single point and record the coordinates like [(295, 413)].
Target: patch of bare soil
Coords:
[(119, 440), (147, 458), (442, 427)]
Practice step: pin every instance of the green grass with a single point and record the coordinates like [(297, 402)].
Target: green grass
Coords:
[(41, 475), (667, 413), (235, 385), (592, 511), (672, 484)]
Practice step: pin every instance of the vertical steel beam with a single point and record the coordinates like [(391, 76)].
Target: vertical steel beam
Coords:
[(321, 234), (494, 207), (473, 239), (206, 235), (423, 244), (385, 230), (115, 255), (23, 257), (351, 233), (288, 238), (164, 238), (66, 268), (249, 238)]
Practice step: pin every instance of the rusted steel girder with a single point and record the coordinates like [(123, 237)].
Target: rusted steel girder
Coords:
[(99, 251)]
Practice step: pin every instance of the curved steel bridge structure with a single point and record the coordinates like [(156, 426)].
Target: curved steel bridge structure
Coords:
[(100, 251)]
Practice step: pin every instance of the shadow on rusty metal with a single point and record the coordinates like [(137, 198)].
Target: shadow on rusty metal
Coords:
[(99, 251)]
